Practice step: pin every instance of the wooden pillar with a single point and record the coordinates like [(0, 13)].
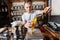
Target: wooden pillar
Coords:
[(45, 3)]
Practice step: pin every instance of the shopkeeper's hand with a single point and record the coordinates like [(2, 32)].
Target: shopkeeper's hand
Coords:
[(29, 24), (47, 9)]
